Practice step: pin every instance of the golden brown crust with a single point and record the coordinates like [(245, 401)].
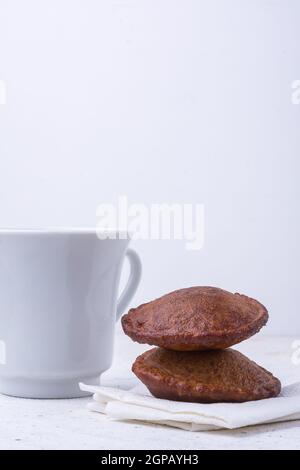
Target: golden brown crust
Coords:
[(196, 318), (204, 377)]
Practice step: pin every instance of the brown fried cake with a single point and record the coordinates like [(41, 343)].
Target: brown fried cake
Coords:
[(204, 377), (194, 319)]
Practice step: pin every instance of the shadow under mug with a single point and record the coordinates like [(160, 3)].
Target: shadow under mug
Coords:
[(58, 308)]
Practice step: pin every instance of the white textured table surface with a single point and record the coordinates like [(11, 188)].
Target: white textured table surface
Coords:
[(67, 424)]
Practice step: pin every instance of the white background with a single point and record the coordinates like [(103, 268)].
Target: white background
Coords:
[(163, 101)]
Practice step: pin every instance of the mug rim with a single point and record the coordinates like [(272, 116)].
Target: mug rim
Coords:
[(119, 233)]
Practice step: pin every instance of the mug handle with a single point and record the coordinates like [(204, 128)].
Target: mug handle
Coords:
[(132, 283)]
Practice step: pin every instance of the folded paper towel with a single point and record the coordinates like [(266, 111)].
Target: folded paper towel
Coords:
[(138, 404)]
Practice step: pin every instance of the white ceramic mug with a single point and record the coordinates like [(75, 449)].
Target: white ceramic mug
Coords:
[(58, 307)]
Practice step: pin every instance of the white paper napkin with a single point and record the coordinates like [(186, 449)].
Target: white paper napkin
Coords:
[(138, 404)]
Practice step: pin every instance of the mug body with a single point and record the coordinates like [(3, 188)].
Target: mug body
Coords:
[(58, 296)]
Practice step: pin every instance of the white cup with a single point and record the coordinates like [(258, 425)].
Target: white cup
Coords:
[(58, 308)]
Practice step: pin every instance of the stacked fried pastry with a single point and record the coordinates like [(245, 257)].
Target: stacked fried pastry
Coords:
[(192, 329)]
